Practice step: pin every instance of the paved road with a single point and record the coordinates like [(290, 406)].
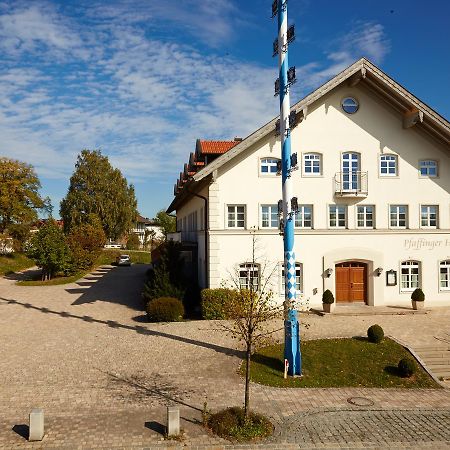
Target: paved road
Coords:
[(103, 376)]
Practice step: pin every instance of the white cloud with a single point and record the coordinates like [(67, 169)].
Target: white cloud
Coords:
[(34, 27), (143, 100)]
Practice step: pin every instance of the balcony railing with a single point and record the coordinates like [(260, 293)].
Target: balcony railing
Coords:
[(351, 184)]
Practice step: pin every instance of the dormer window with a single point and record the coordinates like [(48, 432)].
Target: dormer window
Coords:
[(428, 168), (269, 166)]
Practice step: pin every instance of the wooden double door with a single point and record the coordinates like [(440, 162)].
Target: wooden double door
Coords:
[(351, 282)]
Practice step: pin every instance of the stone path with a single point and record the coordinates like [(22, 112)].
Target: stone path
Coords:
[(104, 376)]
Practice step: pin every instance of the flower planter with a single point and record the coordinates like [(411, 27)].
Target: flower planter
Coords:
[(328, 307), (417, 305)]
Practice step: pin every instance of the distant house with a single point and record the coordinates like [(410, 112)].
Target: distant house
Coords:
[(372, 196), (41, 222), (147, 229)]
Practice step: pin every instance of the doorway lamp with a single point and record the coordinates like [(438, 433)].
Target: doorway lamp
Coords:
[(328, 272), (379, 271)]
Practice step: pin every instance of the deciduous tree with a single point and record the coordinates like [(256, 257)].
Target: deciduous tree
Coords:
[(85, 242), (97, 188), (166, 222), (133, 242), (49, 250), (249, 311), (19, 194)]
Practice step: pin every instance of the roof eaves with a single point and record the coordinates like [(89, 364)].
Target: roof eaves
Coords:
[(314, 96)]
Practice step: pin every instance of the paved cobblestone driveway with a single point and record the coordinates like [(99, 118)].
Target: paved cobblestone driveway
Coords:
[(103, 376)]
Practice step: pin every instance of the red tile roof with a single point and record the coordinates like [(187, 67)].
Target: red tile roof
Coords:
[(216, 147)]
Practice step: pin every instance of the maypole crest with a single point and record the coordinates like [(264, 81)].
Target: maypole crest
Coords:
[(288, 206)]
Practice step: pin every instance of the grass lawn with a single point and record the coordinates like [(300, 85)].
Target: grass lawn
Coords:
[(107, 257), (14, 262), (353, 362)]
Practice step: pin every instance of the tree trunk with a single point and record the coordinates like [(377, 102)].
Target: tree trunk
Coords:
[(247, 382)]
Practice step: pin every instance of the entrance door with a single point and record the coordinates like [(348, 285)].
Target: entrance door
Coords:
[(351, 282), (350, 171)]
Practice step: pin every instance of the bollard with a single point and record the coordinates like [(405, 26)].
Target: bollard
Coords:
[(173, 421), (36, 425)]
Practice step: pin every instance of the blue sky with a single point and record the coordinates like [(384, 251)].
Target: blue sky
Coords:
[(141, 80)]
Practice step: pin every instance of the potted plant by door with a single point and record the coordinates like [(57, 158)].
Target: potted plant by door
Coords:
[(328, 301), (417, 299)]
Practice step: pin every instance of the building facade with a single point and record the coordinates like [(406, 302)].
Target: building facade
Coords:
[(373, 194)]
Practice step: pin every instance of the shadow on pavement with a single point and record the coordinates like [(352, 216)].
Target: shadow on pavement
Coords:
[(120, 285), (22, 430), (157, 427), (136, 328), (25, 275)]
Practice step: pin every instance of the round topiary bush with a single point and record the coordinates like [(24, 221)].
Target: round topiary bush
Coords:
[(375, 334), (327, 297), (418, 295), (165, 309), (231, 423), (407, 367)]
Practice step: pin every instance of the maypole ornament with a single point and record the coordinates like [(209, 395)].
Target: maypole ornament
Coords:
[(289, 204)]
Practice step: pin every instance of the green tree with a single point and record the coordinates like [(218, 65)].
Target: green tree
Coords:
[(133, 242), (166, 222), (19, 194), (166, 279), (49, 250), (97, 188), (85, 242)]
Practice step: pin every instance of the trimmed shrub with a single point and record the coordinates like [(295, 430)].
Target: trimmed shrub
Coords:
[(214, 303), (231, 423), (407, 367), (328, 297), (165, 309), (418, 295), (375, 334)]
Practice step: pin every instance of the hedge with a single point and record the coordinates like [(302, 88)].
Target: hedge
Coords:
[(214, 302)]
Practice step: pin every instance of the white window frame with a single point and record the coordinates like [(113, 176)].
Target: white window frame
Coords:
[(444, 264), (270, 165), (299, 222), (392, 158), (249, 273), (427, 210), (235, 218), (427, 175), (317, 157), (337, 207), (408, 285), (272, 210), (365, 226), (399, 227), (298, 278)]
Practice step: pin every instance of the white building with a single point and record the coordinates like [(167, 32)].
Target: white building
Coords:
[(373, 188), (147, 230)]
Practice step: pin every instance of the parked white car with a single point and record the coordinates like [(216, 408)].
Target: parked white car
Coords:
[(123, 260)]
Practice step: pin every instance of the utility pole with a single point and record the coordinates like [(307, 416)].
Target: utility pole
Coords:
[(289, 203)]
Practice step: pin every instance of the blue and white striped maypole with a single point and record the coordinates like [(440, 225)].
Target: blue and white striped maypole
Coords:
[(292, 337)]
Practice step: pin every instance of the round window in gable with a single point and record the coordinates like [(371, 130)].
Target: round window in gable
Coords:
[(350, 105)]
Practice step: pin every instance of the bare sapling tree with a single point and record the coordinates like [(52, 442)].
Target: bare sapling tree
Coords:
[(251, 309)]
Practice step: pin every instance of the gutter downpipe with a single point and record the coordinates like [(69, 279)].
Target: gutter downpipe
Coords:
[(206, 232)]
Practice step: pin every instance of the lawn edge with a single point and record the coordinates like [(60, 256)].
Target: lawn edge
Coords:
[(419, 360)]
